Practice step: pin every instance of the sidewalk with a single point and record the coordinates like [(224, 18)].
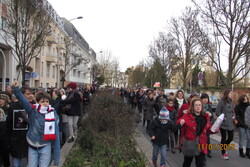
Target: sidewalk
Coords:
[(64, 152), (145, 145)]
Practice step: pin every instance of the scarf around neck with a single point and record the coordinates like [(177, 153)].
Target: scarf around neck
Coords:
[(49, 118), (170, 108), (180, 102)]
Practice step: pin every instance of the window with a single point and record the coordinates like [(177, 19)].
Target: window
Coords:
[(74, 73), (79, 74), (53, 72), (3, 24), (47, 70), (42, 69)]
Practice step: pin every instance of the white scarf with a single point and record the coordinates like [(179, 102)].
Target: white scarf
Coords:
[(49, 126), (180, 102)]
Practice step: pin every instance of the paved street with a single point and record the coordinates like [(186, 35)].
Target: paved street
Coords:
[(176, 160)]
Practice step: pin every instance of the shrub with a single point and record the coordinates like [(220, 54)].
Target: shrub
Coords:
[(106, 137), (108, 113)]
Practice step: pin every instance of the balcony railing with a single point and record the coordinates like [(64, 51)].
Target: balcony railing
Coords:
[(51, 58), (52, 39)]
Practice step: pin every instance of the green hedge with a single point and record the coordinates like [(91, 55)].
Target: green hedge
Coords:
[(106, 136)]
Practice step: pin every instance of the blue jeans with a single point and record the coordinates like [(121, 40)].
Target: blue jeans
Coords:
[(39, 157), (17, 162), (242, 133), (163, 152)]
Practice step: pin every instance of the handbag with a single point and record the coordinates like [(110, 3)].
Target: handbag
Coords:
[(190, 148)]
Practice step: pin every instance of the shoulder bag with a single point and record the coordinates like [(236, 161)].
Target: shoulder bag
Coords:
[(190, 148)]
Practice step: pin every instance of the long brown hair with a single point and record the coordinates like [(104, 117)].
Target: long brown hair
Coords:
[(242, 98), (225, 94), (192, 106)]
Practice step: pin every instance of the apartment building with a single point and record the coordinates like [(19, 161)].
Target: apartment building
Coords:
[(48, 68), (48, 65), (7, 71), (80, 50)]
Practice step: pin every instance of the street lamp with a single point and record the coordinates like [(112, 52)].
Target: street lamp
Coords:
[(79, 17)]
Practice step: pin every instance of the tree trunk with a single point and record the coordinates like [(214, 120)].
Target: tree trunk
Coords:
[(23, 76)]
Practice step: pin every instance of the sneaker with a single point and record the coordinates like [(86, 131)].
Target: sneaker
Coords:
[(225, 156), (173, 151), (154, 163)]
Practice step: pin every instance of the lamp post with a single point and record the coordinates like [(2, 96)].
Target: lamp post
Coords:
[(79, 17)]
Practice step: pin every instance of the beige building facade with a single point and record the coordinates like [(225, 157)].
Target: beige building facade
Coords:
[(47, 69)]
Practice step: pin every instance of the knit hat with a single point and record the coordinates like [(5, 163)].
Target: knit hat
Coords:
[(4, 96), (164, 114), (72, 85)]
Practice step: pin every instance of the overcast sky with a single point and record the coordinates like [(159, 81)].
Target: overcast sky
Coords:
[(124, 27)]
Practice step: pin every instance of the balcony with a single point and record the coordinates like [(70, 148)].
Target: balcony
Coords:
[(51, 58), (52, 39), (60, 61), (60, 46)]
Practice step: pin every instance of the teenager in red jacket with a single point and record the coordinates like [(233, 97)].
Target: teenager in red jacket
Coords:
[(197, 123), (186, 106)]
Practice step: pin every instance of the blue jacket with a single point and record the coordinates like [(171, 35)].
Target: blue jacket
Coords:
[(36, 125)]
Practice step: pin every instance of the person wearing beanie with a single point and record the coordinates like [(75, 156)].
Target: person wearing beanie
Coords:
[(4, 146), (159, 133), (72, 85), (72, 108)]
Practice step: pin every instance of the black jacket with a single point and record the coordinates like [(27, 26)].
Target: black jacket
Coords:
[(17, 138), (160, 131), (57, 105), (240, 114), (75, 102)]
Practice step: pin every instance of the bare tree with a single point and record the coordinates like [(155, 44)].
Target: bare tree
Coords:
[(115, 72), (184, 33), (229, 38), (109, 67), (26, 29), (162, 52)]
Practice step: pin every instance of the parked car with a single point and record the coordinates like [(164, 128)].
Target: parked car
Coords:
[(213, 101)]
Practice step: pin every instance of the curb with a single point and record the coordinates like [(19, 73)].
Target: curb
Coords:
[(143, 146), (64, 152)]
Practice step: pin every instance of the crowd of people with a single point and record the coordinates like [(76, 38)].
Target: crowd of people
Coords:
[(193, 118), (34, 122)]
